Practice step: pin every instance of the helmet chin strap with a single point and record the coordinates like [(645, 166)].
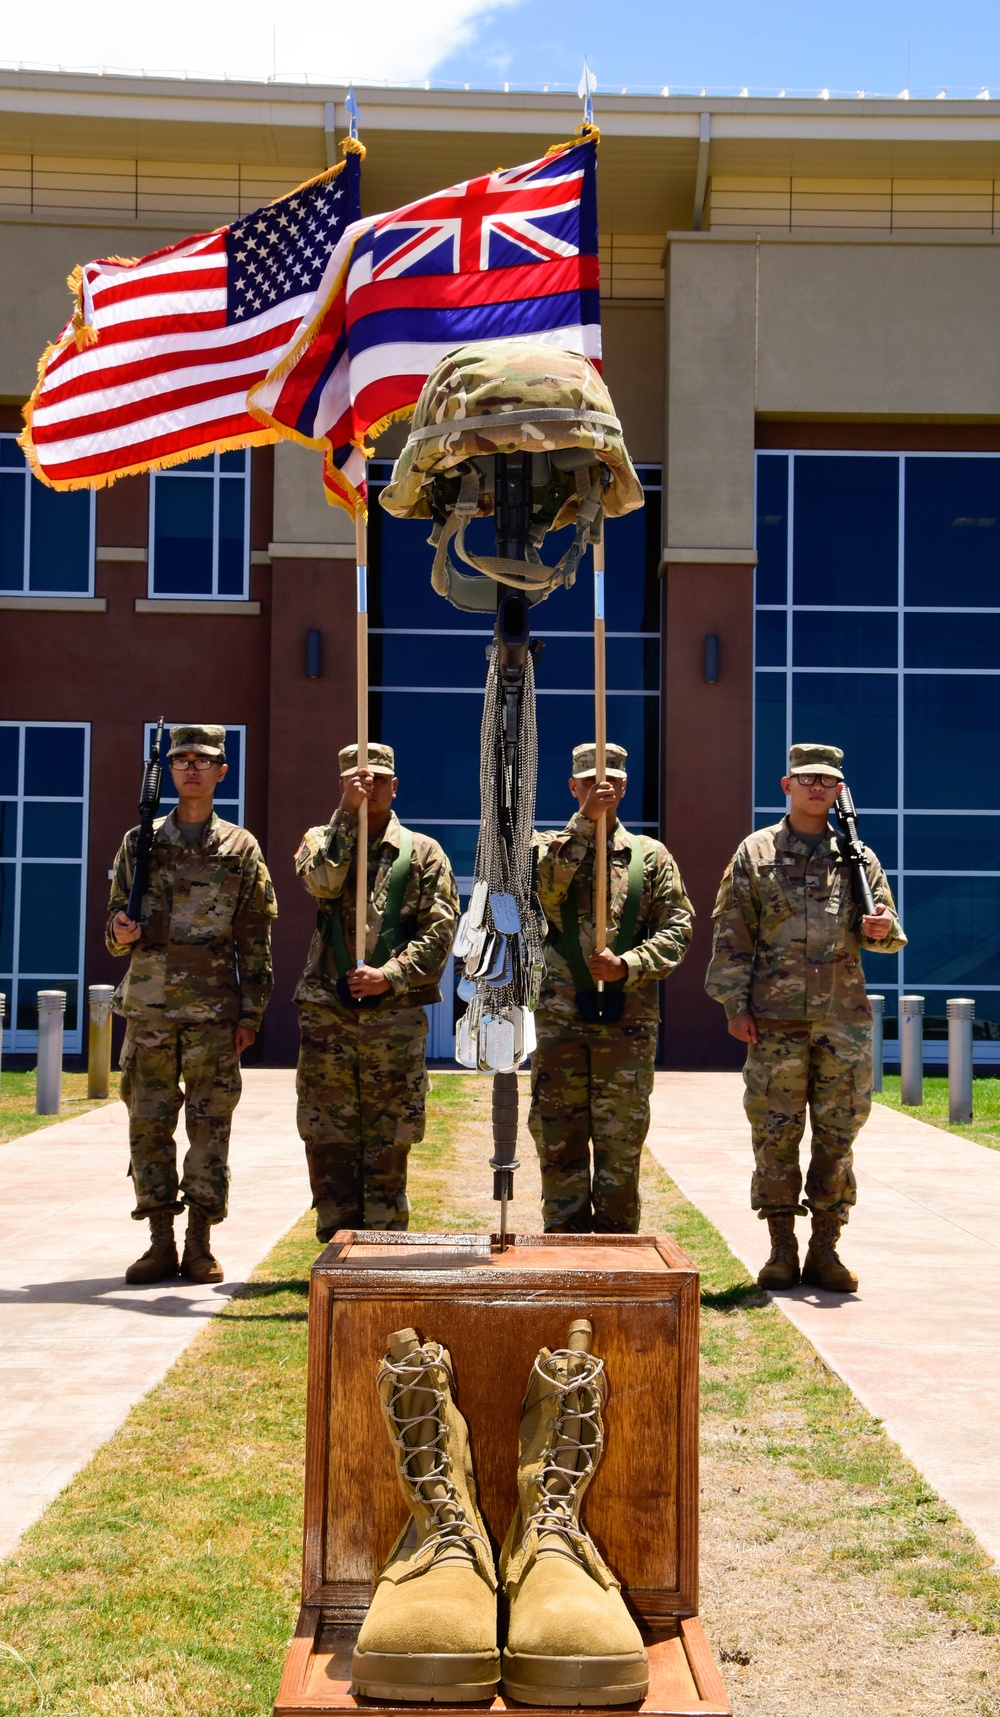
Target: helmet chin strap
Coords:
[(530, 577)]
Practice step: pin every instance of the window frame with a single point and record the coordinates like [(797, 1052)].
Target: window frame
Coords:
[(27, 589), (16, 1041), (216, 477), (766, 809)]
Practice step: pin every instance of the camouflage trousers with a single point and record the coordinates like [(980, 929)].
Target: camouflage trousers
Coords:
[(154, 1060), (362, 1084), (591, 1086), (822, 1065)]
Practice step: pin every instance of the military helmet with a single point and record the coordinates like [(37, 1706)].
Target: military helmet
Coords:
[(511, 396)]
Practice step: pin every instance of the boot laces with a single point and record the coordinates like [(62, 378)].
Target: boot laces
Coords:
[(450, 1525), (577, 1437)]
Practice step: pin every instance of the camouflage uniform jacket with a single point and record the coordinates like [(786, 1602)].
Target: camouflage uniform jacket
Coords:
[(665, 918), (205, 949), (787, 934), (428, 916)]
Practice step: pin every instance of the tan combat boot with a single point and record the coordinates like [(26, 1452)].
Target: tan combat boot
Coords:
[(822, 1268), (782, 1268), (431, 1631), (570, 1641), (159, 1262), (198, 1264)]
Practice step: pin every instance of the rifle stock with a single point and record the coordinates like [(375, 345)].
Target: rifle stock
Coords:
[(854, 851), (149, 805)]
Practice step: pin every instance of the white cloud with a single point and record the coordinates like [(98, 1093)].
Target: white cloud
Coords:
[(395, 40)]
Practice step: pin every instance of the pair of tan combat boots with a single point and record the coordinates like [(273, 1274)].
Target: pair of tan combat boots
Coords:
[(160, 1263), (821, 1267), (431, 1631)]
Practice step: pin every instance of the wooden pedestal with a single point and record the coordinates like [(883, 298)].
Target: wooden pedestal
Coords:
[(493, 1311)]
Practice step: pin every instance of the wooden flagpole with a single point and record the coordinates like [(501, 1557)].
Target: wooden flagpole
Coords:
[(601, 758), (361, 896)]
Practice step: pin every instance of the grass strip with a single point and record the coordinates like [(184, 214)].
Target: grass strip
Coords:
[(17, 1102), (164, 1580), (984, 1128)]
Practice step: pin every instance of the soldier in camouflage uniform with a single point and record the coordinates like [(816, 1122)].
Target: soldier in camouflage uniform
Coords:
[(591, 1079), (786, 966), (362, 1075), (194, 996)]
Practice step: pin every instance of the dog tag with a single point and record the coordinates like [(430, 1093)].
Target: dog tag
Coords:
[(466, 1044), (502, 972), (518, 1025), (466, 988), (535, 977), (477, 903), (477, 948), (505, 914), (462, 944), (493, 970), (529, 1037), (498, 1048)]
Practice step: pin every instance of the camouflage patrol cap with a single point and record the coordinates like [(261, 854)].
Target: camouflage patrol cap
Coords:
[(206, 741), (816, 760), (585, 762), (380, 759)]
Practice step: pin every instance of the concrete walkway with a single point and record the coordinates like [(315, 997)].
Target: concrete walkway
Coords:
[(77, 1347), (919, 1344)]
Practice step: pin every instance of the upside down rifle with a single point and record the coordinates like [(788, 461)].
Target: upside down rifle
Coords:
[(853, 850), (149, 805)]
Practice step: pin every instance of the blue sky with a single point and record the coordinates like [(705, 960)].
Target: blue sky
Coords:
[(857, 44), (849, 46)]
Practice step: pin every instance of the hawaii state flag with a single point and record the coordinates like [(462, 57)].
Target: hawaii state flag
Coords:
[(512, 254)]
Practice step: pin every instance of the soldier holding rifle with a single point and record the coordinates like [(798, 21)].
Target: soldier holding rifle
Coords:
[(598, 1016), (362, 1076), (194, 996), (789, 929)]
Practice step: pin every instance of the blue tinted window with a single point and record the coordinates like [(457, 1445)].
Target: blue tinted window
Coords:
[(953, 925), (834, 640), (952, 741), (182, 545), (27, 1005), (408, 659), (50, 916), (772, 527), (858, 713), (12, 503), (846, 530), (10, 453), (881, 834), (52, 831), (986, 1019), (10, 740), (771, 641), (8, 885), (953, 532), (53, 762), (881, 973), (952, 843), (770, 748), (459, 842), (232, 520), (8, 828), (235, 460), (952, 640), (60, 539)]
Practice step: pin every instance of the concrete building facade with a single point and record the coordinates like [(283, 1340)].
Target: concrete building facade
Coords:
[(799, 310)]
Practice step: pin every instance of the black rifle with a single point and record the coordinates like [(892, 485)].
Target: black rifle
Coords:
[(853, 850), (149, 805)]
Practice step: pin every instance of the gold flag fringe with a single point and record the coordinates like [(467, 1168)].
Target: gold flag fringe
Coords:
[(84, 334)]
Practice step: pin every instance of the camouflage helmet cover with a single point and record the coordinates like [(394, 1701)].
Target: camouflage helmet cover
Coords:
[(461, 414)]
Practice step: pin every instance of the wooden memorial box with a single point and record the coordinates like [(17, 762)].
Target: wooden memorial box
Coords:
[(493, 1311)]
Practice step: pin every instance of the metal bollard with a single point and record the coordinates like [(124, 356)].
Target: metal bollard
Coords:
[(48, 1083), (961, 1012), (878, 1025), (911, 1050), (99, 1040)]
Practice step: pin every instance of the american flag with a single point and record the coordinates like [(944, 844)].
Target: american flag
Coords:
[(512, 254), (156, 365)]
